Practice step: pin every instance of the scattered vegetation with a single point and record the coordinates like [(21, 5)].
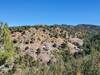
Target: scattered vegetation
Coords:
[(13, 62)]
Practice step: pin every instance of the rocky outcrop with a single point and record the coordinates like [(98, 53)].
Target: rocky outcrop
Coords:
[(38, 43)]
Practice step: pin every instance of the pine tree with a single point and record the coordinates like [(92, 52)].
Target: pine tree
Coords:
[(8, 51), (7, 38)]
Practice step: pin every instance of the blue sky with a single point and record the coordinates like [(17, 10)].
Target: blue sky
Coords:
[(20, 12)]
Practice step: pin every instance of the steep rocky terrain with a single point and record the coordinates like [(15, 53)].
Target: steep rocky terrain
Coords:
[(39, 43), (48, 45)]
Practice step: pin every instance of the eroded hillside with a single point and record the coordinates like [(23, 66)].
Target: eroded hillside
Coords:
[(50, 45), (45, 41)]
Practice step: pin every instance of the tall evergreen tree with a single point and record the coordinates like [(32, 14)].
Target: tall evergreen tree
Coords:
[(7, 38)]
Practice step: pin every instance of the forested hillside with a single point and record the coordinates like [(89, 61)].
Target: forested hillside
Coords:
[(50, 50)]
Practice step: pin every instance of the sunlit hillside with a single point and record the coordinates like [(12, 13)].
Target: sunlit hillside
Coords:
[(50, 50)]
